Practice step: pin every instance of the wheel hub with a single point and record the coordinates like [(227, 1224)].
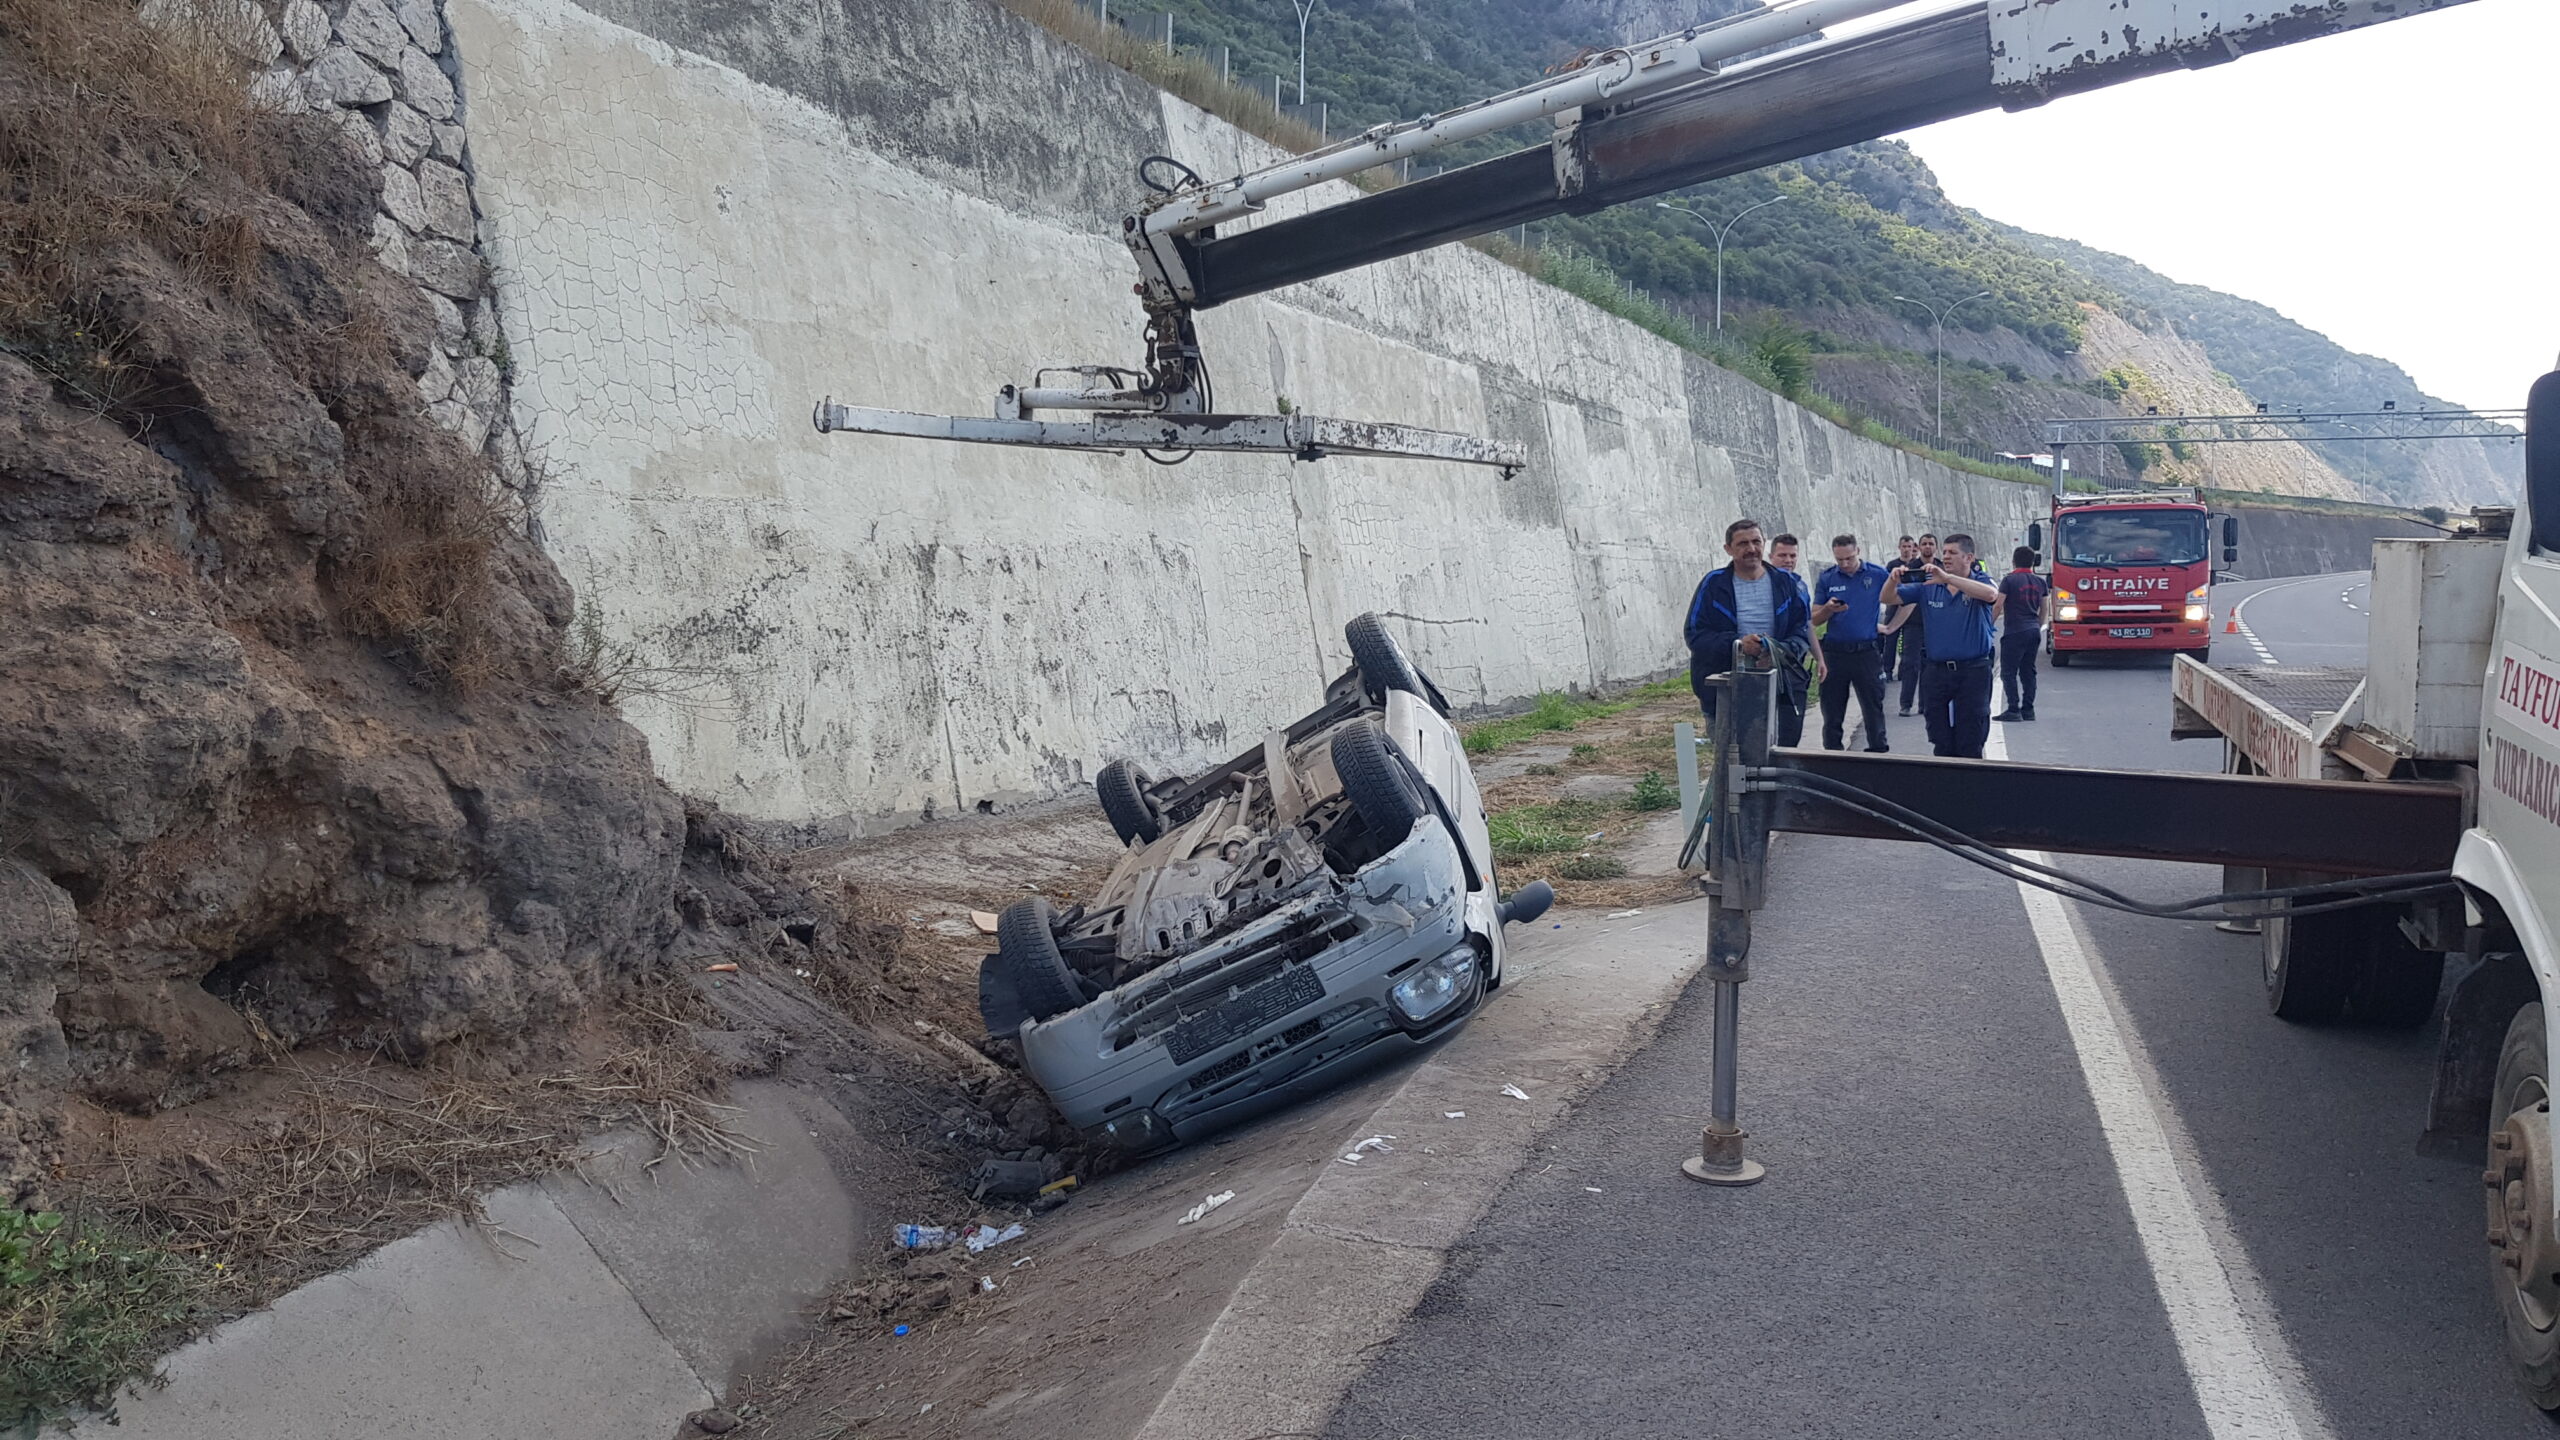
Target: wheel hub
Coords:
[(2521, 1230)]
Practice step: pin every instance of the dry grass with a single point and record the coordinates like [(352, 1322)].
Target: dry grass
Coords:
[(323, 1158), (1187, 76), (422, 578), (106, 127)]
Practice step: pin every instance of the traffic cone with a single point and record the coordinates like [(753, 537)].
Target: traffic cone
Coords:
[(2232, 625)]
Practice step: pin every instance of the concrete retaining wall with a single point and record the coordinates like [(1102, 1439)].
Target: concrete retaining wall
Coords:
[(704, 216), (2276, 542)]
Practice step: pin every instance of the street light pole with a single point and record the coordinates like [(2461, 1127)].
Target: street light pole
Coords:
[(1306, 11), (1938, 348), (1721, 231)]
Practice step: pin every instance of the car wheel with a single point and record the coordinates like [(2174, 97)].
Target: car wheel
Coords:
[(1133, 813), (1382, 663), (2061, 659), (2524, 1256), (1377, 783), (1027, 947)]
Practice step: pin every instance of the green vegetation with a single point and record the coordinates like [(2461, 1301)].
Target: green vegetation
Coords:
[(1554, 827), (1556, 712), (1655, 793), (1597, 866), (84, 1308)]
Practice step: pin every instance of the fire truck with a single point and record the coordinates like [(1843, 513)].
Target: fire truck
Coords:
[(2132, 570)]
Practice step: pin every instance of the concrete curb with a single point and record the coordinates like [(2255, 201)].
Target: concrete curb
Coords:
[(600, 1305)]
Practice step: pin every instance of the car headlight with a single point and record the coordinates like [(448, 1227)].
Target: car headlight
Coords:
[(1436, 986), (2195, 612), (2196, 603), (2067, 610)]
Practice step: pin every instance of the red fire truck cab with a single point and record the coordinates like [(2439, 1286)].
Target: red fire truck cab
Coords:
[(2131, 571)]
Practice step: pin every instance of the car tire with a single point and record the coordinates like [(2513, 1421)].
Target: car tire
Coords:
[(1133, 813), (2061, 659), (1377, 783), (2516, 1151), (2307, 962), (1027, 948), (1382, 663)]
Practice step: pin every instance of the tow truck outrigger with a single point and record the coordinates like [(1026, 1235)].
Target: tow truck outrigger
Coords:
[(1629, 123)]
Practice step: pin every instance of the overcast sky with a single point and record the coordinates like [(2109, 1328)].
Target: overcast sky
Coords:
[(2394, 188)]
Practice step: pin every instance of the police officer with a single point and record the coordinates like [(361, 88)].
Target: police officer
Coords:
[(1762, 609), (1955, 680), (1847, 596)]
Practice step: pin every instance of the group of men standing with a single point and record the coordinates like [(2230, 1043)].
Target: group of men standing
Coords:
[(1927, 619)]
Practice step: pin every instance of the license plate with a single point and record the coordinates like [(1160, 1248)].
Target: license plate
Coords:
[(2130, 632)]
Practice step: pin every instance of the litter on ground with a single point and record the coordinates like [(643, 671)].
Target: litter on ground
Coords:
[(1624, 914), (984, 920), (1206, 1205), (919, 1237), (1374, 1142), (1453, 1114), (987, 1237), (1515, 1092)]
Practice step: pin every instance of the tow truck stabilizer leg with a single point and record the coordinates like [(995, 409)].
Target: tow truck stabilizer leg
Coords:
[(1739, 846)]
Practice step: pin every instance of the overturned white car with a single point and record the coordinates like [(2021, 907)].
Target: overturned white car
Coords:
[(1302, 913)]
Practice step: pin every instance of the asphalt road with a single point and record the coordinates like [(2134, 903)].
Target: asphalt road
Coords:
[(2027, 1178), (2318, 620)]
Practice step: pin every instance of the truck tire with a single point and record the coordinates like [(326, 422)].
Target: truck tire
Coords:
[(1133, 813), (2397, 989), (1377, 783), (2308, 962), (2523, 1253), (1383, 666), (1027, 948), (2061, 659)]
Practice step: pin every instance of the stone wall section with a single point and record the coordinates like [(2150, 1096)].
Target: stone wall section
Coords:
[(386, 73)]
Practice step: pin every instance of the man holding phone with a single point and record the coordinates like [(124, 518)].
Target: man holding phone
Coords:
[(1917, 556), (1848, 597), (1955, 680), (1761, 610)]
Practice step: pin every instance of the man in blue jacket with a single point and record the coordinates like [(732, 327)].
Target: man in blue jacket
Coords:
[(1955, 619), (1765, 610)]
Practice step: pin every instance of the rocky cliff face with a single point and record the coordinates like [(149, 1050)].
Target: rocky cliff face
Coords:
[(288, 747)]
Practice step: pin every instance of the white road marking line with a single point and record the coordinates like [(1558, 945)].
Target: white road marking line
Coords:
[(2240, 618), (2248, 1382)]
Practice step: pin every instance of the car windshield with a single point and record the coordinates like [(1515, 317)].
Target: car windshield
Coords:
[(2131, 537)]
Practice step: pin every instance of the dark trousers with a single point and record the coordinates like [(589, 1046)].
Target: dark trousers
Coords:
[(2018, 650), (1912, 659), (1859, 671), (1955, 697)]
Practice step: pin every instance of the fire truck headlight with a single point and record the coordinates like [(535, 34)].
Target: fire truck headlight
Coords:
[(2196, 605), (2195, 614), (2067, 610)]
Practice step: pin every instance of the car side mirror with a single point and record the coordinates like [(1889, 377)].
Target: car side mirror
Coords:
[(2035, 537), (2542, 460), (2230, 539)]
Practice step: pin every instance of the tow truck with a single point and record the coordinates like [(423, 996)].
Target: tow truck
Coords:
[(2418, 805), (2132, 571)]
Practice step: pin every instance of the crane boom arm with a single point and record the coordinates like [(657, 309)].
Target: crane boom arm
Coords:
[(1799, 102)]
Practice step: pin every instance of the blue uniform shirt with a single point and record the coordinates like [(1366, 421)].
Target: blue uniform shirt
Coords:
[(1953, 625), (1864, 594)]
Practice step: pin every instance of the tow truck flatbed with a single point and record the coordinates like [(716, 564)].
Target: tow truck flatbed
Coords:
[(2285, 720)]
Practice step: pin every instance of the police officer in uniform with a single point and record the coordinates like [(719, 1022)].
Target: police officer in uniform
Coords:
[(1955, 679), (1848, 597)]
